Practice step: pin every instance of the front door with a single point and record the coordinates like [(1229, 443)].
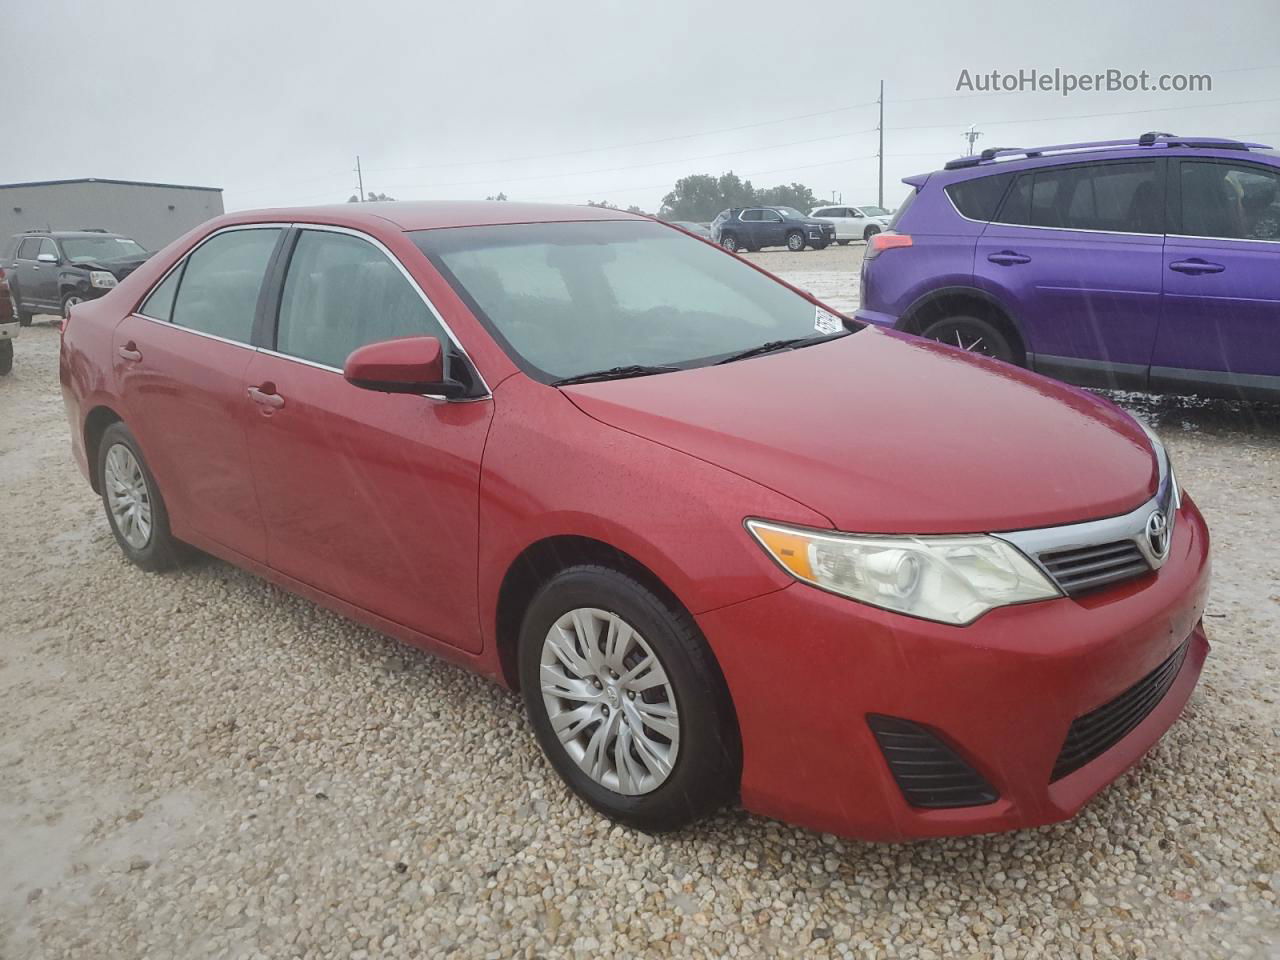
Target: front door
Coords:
[(1221, 310), (370, 497), (1076, 252), (772, 230), (180, 362)]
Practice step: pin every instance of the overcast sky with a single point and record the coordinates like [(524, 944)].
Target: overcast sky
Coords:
[(574, 101)]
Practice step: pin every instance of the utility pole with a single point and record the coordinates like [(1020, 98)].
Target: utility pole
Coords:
[(972, 134), (359, 179), (880, 152)]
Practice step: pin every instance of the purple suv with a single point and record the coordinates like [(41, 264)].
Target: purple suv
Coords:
[(1148, 264)]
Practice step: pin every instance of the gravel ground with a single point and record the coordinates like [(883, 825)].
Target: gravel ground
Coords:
[(200, 765)]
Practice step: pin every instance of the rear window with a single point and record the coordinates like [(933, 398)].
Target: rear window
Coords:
[(1120, 197), (910, 199), (978, 199)]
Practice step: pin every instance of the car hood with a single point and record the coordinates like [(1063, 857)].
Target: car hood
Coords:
[(120, 267), (886, 433)]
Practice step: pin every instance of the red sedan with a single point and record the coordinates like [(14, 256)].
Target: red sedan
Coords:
[(725, 542)]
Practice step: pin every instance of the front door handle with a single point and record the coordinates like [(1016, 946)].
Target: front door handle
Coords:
[(265, 395), (1007, 258), (130, 351), (1196, 266)]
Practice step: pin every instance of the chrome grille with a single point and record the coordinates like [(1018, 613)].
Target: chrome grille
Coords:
[(1087, 568)]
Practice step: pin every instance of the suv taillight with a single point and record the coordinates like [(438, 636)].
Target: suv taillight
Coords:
[(881, 242)]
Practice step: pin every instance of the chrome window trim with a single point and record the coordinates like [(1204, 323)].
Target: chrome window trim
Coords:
[(1194, 236), (1130, 526), (199, 333), (378, 245), (1032, 226)]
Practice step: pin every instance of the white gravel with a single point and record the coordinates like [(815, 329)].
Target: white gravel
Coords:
[(200, 765)]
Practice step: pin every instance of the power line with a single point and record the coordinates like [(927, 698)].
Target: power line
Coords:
[(1091, 116)]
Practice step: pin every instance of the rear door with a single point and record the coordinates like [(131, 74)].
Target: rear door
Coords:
[(180, 362), (1076, 251), (29, 272), (1221, 310), (370, 497)]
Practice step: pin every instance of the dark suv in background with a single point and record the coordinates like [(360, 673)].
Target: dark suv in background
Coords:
[(750, 228), (49, 271), (1147, 264)]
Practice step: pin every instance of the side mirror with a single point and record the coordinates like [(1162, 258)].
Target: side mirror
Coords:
[(46, 258), (410, 365)]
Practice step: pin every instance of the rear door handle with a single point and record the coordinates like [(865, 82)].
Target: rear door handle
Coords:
[(130, 351), (265, 394), (1196, 266), (1007, 258)]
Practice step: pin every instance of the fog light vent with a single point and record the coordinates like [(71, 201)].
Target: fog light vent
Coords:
[(929, 773)]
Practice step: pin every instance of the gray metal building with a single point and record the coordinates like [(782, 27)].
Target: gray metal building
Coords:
[(151, 213)]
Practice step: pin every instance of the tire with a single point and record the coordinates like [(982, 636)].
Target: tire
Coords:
[(156, 549), (6, 357), (870, 232), (795, 241), (706, 769), (24, 316), (729, 242), (972, 334), (819, 246), (844, 243), (69, 300)]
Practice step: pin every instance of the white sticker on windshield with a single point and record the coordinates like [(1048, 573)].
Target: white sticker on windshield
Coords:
[(825, 322)]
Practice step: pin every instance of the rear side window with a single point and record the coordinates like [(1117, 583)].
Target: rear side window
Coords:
[(159, 306), (218, 293), (1110, 197), (906, 204), (29, 248), (1228, 200), (342, 293), (979, 199)]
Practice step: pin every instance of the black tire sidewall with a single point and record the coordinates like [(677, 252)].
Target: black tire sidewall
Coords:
[(161, 551), (1001, 348), (870, 232), (708, 763), (790, 237), (729, 243)]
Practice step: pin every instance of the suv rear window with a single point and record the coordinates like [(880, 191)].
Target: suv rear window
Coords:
[(907, 202), (1120, 197), (978, 199)]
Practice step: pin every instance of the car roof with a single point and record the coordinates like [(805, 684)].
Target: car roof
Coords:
[(65, 234), (428, 215)]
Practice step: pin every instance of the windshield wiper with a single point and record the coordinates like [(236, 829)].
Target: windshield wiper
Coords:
[(614, 373), (773, 346)]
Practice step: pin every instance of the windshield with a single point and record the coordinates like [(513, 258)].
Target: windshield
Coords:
[(565, 299), (874, 211), (97, 249), (791, 213)]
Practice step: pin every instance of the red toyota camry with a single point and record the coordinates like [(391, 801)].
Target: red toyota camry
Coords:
[(725, 542)]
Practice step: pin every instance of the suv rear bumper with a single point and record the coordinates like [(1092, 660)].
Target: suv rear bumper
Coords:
[(9, 330)]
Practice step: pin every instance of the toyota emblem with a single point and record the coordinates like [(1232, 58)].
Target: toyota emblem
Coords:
[(1158, 533)]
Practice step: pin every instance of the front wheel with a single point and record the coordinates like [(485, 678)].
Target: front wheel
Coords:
[(795, 242), (6, 357), (870, 232), (69, 301), (135, 509), (627, 701), (973, 335)]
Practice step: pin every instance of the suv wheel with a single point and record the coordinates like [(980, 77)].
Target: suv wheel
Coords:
[(729, 242), (972, 334), (6, 356), (135, 509), (69, 301), (870, 232), (795, 241), (626, 700), (24, 316)]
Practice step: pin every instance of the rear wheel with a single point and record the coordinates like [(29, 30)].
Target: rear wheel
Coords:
[(626, 700), (870, 232), (795, 241), (971, 334), (6, 356), (135, 509), (729, 242)]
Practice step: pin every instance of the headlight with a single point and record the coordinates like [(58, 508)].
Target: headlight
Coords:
[(1162, 455), (102, 279), (948, 579)]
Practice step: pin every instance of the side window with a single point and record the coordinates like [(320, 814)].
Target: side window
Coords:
[(220, 283), (770, 216), (978, 199), (48, 247), (28, 249), (1232, 201), (751, 216), (341, 293), (159, 306), (1111, 197)]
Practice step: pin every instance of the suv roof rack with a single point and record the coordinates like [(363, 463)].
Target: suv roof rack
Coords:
[(1151, 139), (92, 230)]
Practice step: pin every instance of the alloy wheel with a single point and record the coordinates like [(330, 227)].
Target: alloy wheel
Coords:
[(795, 242), (70, 302), (128, 497), (610, 702)]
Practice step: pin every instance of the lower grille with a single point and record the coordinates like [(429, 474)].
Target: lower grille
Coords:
[(928, 772), (1099, 730), (1086, 568)]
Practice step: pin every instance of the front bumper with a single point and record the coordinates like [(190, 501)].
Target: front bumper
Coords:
[(9, 331), (806, 669)]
